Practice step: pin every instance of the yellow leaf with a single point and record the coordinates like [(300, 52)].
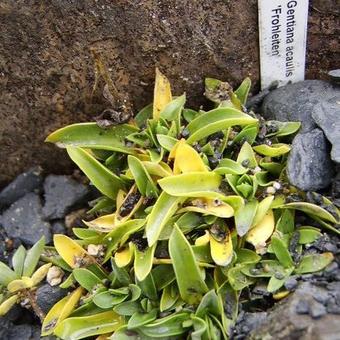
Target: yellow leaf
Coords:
[(124, 256), (210, 207), (71, 252), (281, 295), (188, 160), (221, 251), (60, 311), (103, 223), (23, 283), (173, 151), (203, 240), (162, 94), (40, 274), (258, 235), (6, 305)]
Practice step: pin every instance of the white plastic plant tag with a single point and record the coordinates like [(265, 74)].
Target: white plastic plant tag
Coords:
[(283, 32)]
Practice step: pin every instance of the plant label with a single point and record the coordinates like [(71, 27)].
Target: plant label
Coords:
[(282, 36)]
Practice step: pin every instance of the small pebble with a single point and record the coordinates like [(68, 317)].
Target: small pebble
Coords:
[(317, 310), (54, 276), (291, 283), (302, 307)]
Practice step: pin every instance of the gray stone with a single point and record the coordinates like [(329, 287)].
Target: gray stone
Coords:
[(24, 332), (58, 227), (62, 193), (26, 182), (47, 296), (299, 316), (24, 220), (327, 116), (309, 166), (295, 102)]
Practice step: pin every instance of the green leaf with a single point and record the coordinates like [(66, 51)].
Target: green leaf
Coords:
[(140, 319), (162, 211), (200, 329), (143, 115), (7, 275), (275, 283), (166, 142), (281, 252), (18, 260), (169, 297), (308, 235), (142, 177), (215, 120), (190, 283), (284, 128), (286, 224), (247, 134), (247, 156), (228, 166), (311, 209), (90, 135), (274, 150), (127, 308), (120, 234), (88, 326), (101, 177), (168, 326), (86, 278), (247, 256), (148, 287), (237, 279), (209, 305), (262, 209), (163, 275), (314, 263), (32, 257), (143, 262), (173, 109), (120, 274), (266, 268), (194, 184), (244, 217), (243, 90), (106, 300)]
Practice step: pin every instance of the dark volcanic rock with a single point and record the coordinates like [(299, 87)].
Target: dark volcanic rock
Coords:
[(26, 182), (24, 220), (47, 296), (62, 193), (327, 116), (58, 227), (295, 102), (309, 166), (300, 316)]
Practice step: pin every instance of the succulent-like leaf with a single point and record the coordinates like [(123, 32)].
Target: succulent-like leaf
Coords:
[(243, 90), (7, 274), (190, 283), (258, 235), (166, 205), (60, 311), (314, 263), (6, 305), (244, 217), (216, 120), (143, 262), (101, 177), (162, 94), (311, 209), (221, 250), (166, 142), (86, 278), (18, 260), (124, 255), (71, 252), (103, 223), (40, 273), (281, 252), (88, 326), (188, 160), (228, 166), (169, 297), (90, 135), (247, 156), (237, 279), (274, 150), (308, 235), (194, 184), (32, 257), (140, 319), (20, 284)]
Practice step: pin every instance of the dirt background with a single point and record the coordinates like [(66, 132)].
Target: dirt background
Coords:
[(46, 70)]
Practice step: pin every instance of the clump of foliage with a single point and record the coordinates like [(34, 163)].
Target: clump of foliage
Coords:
[(195, 208)]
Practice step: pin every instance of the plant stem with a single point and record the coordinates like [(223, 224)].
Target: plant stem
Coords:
[(33, 302)]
